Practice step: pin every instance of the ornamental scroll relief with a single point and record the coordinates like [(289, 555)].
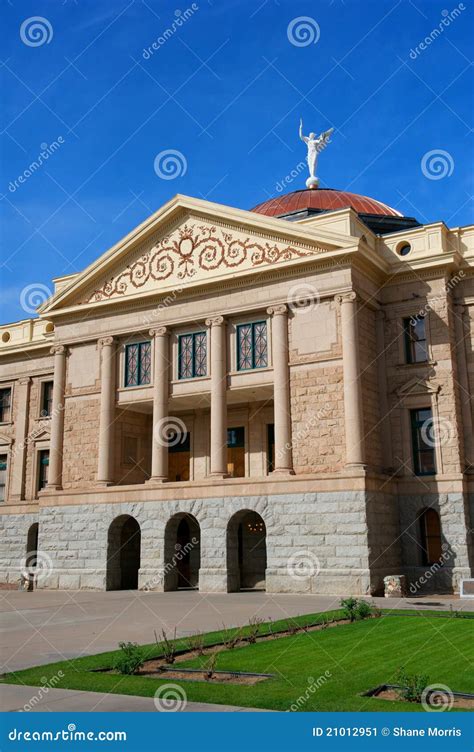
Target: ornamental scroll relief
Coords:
[(193, 250)]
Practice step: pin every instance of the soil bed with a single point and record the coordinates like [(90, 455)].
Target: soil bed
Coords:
[(389, 692)]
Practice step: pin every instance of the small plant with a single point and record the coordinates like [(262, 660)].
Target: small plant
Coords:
[(377, 613), (355, 609), (130, 659), (210, 666), (230, 637), (254, 629), (196, 642), (412, 685), (168, 647), (291, 627)]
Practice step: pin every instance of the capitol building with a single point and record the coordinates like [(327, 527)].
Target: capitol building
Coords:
[(277, 398)]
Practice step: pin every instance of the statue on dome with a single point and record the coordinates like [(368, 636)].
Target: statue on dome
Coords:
[(314, 145)]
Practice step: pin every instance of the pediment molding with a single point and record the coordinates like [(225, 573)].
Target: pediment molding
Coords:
[(191, 242), (417, 386)]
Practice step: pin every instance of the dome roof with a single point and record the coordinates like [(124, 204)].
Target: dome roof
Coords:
[(323, 199)]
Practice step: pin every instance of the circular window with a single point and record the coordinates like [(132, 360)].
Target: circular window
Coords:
[(49, 327), (6, 337), (404, 249)]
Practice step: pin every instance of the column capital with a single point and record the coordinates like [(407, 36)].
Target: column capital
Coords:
[(158, 331), (278, 310), (58, 350), (25, 380), (215, 321), (346, 297), (105, 342)]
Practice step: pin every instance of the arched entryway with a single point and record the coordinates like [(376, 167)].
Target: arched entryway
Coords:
[(32, 545), (123, 553), (182, 552), (246, 551)]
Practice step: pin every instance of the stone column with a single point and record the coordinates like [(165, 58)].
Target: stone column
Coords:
[(353, 417), (384, 427), (281, 390), (218, 397), (57, 419), (22, 398), (159, 450), (107, 411), (460, 311)]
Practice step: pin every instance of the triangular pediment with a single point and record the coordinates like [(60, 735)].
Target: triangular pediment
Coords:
[(416, 386), (191, 243)]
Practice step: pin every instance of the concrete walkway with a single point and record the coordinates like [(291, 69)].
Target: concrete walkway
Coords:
[(14, 698), (52, 625)]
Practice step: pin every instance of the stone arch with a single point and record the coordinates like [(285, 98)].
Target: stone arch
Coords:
[(182, 552), (123, 553), (246, 551)]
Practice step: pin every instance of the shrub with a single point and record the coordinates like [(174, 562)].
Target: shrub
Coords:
[(210, 666), (253, 629), (412, 685), (355, 609), (196, 642), (131, 658), (230, 637), (168, 647)]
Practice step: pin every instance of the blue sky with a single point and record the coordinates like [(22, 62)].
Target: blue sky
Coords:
[(226, 90)]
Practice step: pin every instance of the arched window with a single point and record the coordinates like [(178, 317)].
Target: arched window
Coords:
[(430, 533)]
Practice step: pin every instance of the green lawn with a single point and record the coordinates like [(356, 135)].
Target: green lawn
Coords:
[(353, 658)]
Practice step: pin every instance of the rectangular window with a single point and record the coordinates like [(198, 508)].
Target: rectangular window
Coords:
[(179, 456), (46, 399), (192, 355), (138, 364), (252, 351), (236, 452), (270, 448), (3, 475), (424, 460), (43, 467), (5, 405), (416, 349)]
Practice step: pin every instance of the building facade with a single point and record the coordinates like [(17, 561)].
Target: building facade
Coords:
[(277, 398)]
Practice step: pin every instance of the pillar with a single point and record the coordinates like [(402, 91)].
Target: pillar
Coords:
[(384, 426), (22, 398), (107, 411), (353, 416), (57, 419), (460, 311), (218, 397), (281, 390), (159, 450)]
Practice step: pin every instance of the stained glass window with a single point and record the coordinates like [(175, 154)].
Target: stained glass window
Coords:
[(138, 364), (252, 349), (192, 355), (5, 405)]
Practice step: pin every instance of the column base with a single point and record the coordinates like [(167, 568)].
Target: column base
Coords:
[(52, 487), (104, 483), (219, 476), (154, 480), (283, 471)]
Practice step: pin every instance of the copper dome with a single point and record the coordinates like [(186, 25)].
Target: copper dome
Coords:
[(323, 199)]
